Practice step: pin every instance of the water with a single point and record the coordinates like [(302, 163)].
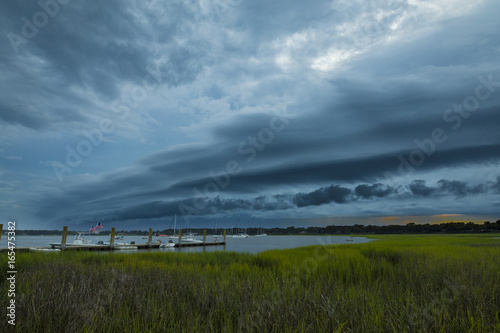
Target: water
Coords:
[(250, 245)]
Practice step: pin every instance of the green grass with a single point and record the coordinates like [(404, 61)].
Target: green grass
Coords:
[(399, 283)]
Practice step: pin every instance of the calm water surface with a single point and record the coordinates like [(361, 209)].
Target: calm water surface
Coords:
[(251, 244)]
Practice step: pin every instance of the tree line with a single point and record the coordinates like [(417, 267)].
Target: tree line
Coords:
[(409, 228)]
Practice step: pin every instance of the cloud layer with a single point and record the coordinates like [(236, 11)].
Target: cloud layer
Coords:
[(135, 110)]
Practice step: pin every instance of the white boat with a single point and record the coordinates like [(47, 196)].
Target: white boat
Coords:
[(123, 247), (242, 235), (36, 249), (238, 234), (168, 244), (262, 234), (188, 238), (349, 239), (79, 240), (216, 236), (119, 246)]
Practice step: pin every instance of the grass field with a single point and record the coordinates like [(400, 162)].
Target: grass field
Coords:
[(410, 283)]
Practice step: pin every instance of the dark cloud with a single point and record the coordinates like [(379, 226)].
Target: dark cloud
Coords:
[(418, 187), (95, 48), (495, 186), (375, 190), (460, 188), (324, 195), (207, 206), (204, 206), (454, 187), (150, 183), (358, 169)]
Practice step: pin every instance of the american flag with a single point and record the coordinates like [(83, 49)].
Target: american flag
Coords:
[(99, 225), (93, 229)]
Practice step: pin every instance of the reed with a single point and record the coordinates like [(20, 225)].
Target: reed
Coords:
[(396, 284)]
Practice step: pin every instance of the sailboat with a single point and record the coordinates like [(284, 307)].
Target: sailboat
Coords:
[(188, 238), (215, 235), (261, 234), (239, 233)]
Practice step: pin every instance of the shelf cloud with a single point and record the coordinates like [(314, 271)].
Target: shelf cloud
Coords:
[(133, 111)]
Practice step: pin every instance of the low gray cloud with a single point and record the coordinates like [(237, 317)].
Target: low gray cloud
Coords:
[(205, 206), (324, 195), (375, 190), (495, 186), (444, 187), (418, 187), (460, 188)]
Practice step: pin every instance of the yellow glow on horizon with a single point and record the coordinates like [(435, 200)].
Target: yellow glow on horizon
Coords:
[(444, 216)]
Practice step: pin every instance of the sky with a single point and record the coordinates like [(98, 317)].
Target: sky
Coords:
[(250, 113)]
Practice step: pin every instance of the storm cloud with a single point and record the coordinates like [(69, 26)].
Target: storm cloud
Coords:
[(129, 110), (452, 187), (333, 193), (333, 196), (375, 190)]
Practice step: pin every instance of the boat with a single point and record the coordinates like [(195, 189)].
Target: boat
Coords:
[(349, 239), (239, 233), (123, 247), (78, 240), (215, 235), (37, 249), (262, 234), (119, 246), (188, 238), (170, 243), (242, 235), (119, 237)]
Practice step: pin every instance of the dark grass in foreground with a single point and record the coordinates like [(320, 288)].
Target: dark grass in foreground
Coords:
[(396, 284)]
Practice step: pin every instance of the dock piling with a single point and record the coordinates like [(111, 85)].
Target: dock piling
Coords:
[(1, 229), (150, 239), (112, 240), (204, 236), (64, 237), (180, 235)]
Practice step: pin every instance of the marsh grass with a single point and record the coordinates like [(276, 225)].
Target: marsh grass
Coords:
[(396, 284)]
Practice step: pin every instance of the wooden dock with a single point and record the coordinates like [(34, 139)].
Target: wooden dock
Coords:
[(199, 244), (154, 246), (63, 246), (88, 247)]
